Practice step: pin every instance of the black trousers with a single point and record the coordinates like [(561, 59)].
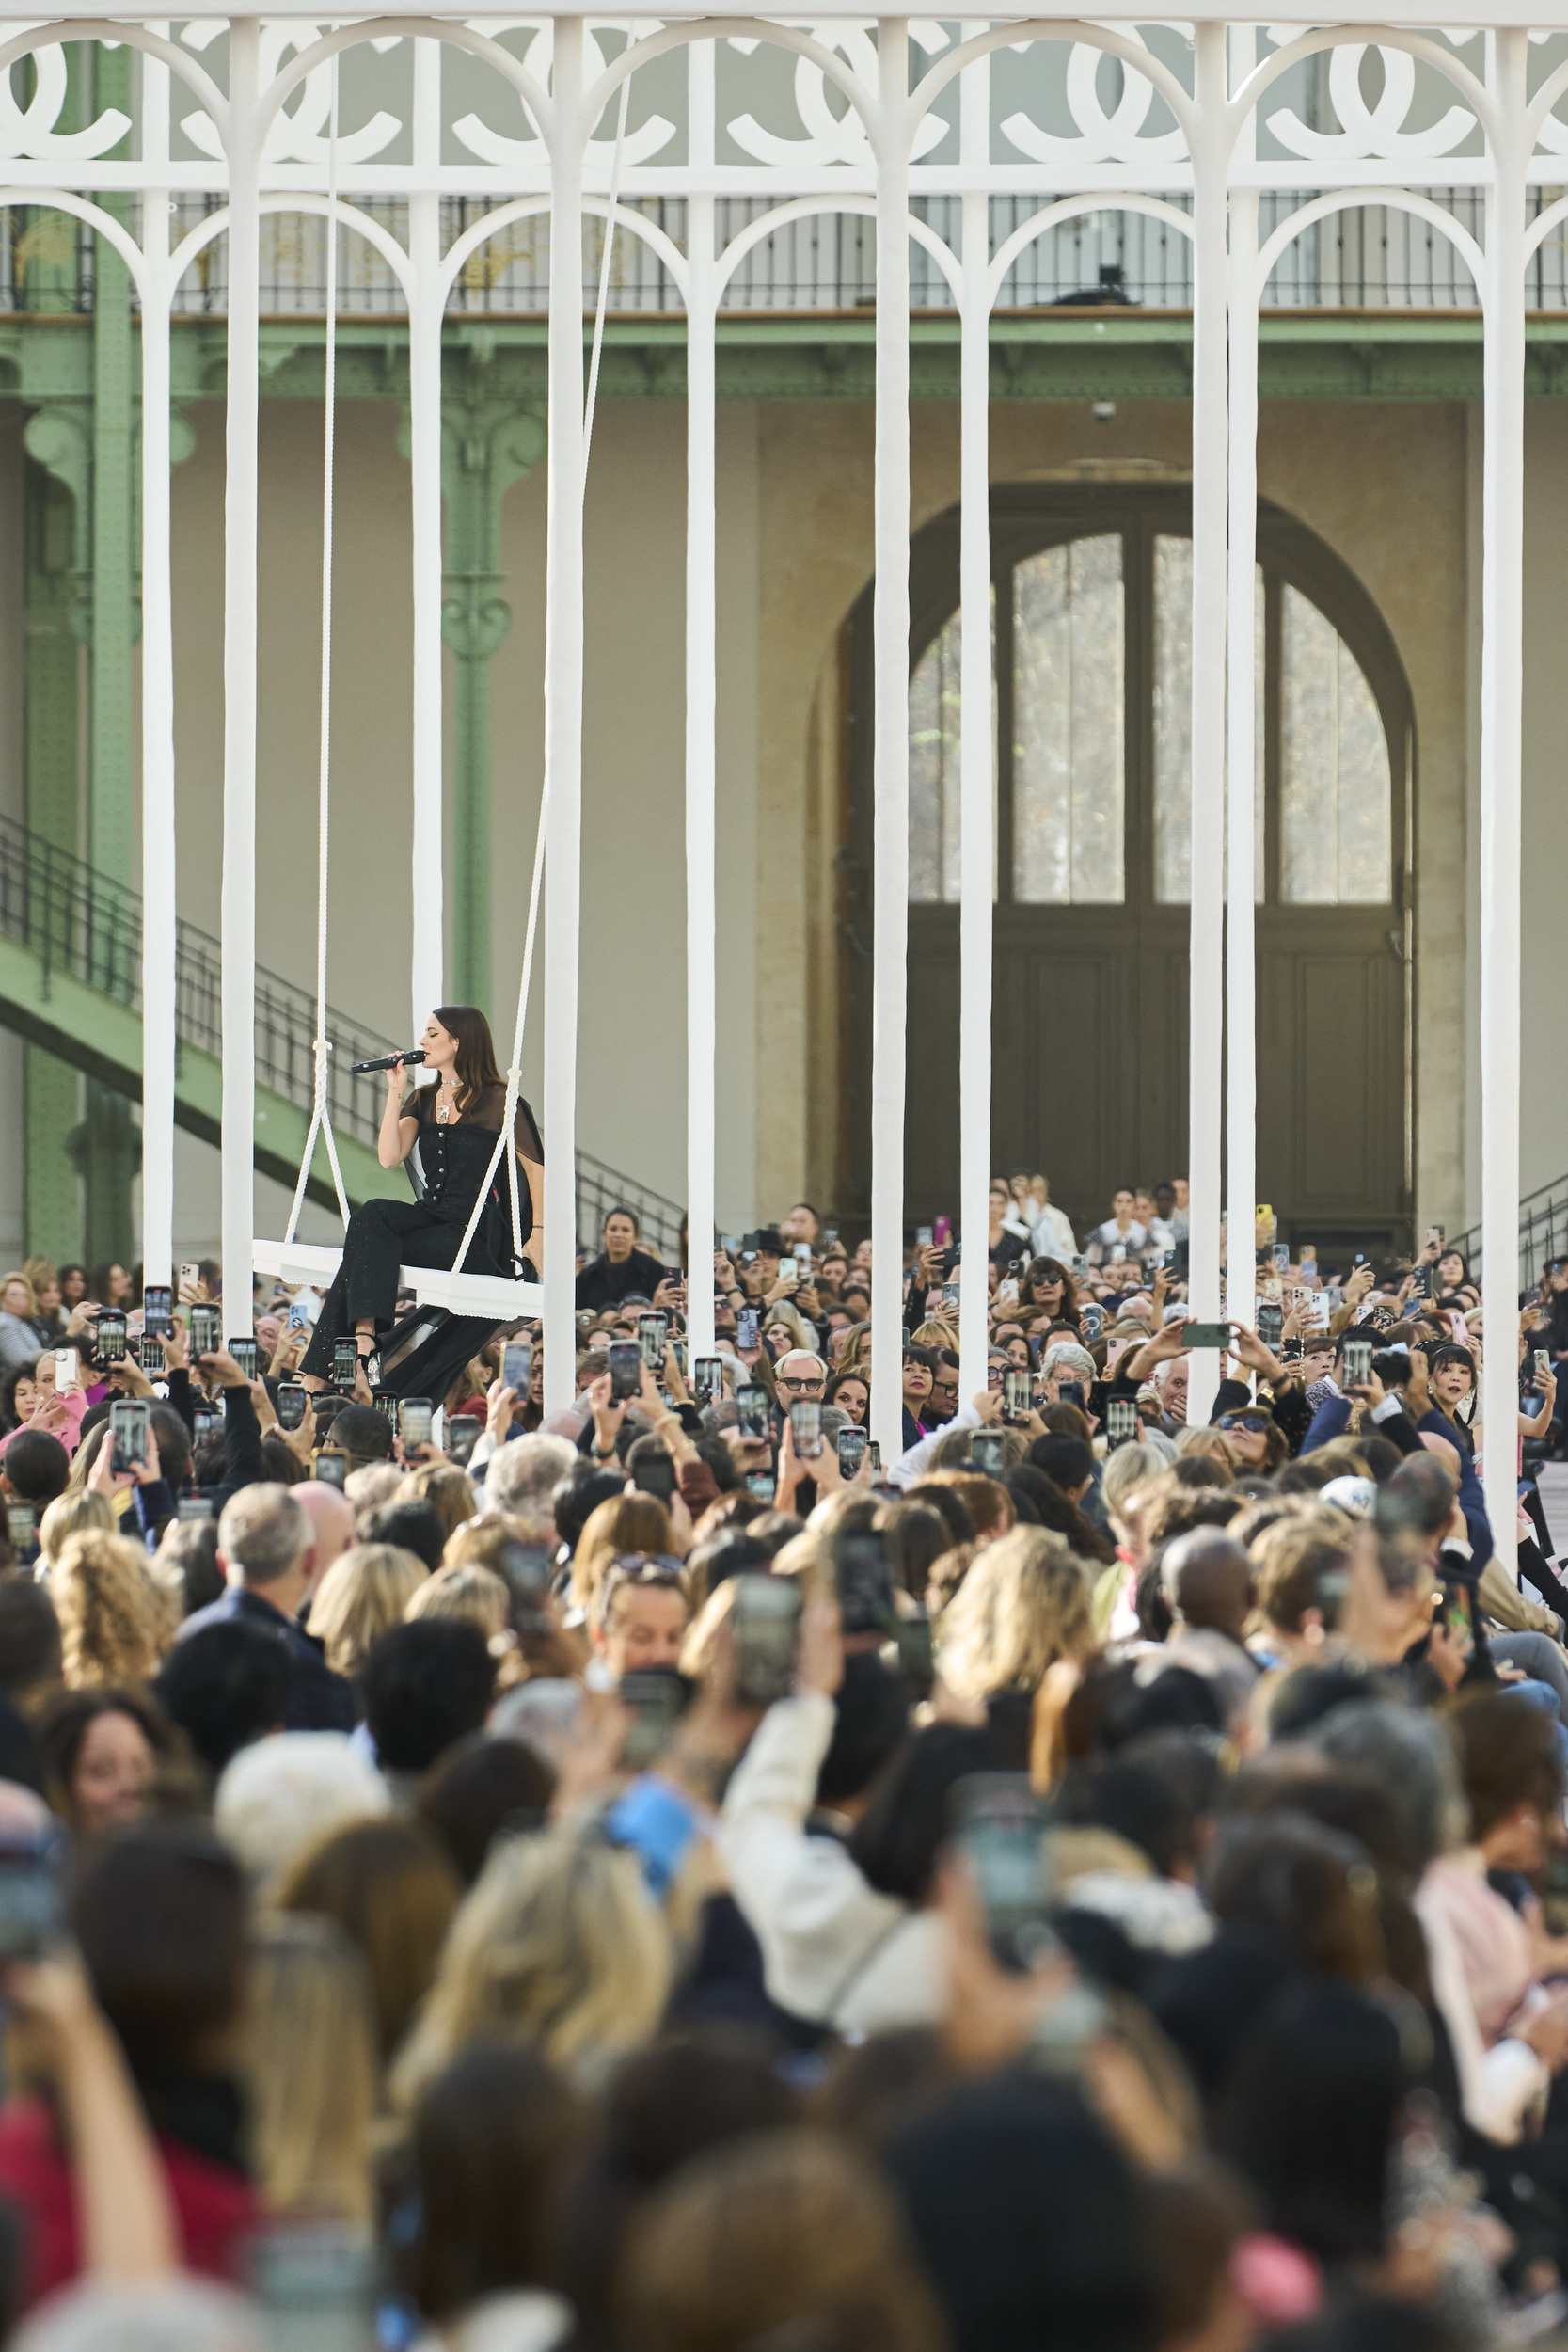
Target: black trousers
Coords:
[(381, 1237)]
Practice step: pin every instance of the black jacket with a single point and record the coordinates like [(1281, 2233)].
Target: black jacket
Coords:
[(318, 1700)]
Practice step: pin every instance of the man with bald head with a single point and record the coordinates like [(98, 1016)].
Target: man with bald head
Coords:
[(1207, 1581), (331, 1518)]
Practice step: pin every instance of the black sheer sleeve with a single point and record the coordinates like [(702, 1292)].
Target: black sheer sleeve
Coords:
[(526, 1137)]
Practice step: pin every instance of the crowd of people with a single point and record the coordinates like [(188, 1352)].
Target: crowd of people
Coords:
[(656, 1877)]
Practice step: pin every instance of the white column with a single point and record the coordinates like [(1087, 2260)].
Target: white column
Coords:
[(424, 446), (1241, 1127), (239, 676), (891, 739), (976, 830), (1501, 689), (158, 834), (1206, 1000), (562, 715), (701, 912)]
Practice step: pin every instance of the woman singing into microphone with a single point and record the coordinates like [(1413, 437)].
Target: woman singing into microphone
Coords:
[(455, 1122)]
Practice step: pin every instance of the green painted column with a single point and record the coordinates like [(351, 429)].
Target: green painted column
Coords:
[(110, 1149), (55, 564), (51, 1200), (488, 442)]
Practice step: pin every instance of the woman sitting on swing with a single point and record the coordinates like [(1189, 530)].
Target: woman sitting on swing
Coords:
[(455, 1122)]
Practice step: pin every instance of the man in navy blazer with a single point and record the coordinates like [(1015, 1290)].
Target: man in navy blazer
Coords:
[(267, 1550)]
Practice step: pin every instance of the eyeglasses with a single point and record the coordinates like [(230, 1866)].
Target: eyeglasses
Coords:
[(1255, 1424), (798, 1388)]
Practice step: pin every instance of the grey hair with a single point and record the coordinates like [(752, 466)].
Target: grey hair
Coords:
[(524, 1474), (1410, 1755), (175, 2314), (264, 1531)]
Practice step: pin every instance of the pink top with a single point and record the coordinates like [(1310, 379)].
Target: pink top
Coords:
[(1494, 1942), (74, 1407)]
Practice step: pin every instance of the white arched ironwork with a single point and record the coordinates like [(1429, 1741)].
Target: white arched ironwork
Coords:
[(870, 137)]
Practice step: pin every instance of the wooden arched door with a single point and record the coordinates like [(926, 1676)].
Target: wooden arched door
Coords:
[(1091, 639)]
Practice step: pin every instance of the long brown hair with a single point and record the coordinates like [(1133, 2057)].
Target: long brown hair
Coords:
[(477, 1067)]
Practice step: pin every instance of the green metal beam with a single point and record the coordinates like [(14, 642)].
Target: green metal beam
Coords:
[(84, 1028), (1054, 354)]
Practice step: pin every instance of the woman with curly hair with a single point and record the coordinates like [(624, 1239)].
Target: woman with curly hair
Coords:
[(114, 1622), (101, 1752)]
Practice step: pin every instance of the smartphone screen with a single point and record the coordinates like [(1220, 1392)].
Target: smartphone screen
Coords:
[(206, 1330), (650, 1340), (625, 1371), (518, 1367), (1206, 1335), (708, 1378), (805, 1424), (748, 1323), (416, 1418), (243, 1353), (108, 1336), (752, 1405), (32, 1894), (20, 1526), (150, 1354), (526, 1568), (923, 1237), (463, 1431), (874, 1455), (655, 1475), (157, 1304), (1292, 1351), (130, 1421), (193, 1508), (206, 1421), (766, 1621), (344, 1363), (331, 1466), (66, 1372), (1358, 1361), (759, 1485), (657, 1697), (1122, 1420), (1070, 1393), (1271, 1323), (999, 1824), (985, 1451), (851, 1449), (1016, 1387)]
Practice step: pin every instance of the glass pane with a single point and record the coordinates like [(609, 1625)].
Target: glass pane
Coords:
[(1068, 706), (935, 791), (1173, 702), (1335, 819), (1173, 718)]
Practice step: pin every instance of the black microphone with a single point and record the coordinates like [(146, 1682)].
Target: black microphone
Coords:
[(389, 1061)]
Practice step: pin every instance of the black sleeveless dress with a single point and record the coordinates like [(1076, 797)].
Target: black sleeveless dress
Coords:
[(447, 1167)]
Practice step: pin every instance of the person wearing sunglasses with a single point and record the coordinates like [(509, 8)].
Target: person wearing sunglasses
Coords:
[(800, 1377), (1253, 1439)]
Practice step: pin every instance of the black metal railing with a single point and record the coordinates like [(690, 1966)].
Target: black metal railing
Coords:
[(83, 922), (1543, 1234)]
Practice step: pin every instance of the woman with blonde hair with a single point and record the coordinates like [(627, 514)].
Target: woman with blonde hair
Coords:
[(362, 1596), (627, 1522), (311, 2069), (448, 1490), (782, 1311), (560, 1945), (473, 1593), (84, 1511), (114, 1624), (1024, 1604)]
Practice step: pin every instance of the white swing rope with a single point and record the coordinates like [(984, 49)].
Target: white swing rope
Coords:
[(321, 1114), (513, 1075)]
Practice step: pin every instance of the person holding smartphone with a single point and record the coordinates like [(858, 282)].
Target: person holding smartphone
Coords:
[(455, 1123)]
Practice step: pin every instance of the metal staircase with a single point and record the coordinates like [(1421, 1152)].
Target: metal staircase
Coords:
[(1543, 1234), (70, 954)]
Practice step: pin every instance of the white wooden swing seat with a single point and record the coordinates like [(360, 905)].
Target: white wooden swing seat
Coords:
[(483, 1298)]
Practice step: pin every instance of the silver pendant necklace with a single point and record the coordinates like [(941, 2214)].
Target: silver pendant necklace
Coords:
[(443, 1110)]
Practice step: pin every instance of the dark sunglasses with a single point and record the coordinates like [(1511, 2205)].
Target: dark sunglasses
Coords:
[(1255, 1424)]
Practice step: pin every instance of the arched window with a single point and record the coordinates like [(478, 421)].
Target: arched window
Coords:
[(1091, 786), (1059, 764)]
